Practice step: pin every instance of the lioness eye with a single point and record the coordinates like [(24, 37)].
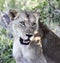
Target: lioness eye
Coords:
[(33, 24), (23, 23)]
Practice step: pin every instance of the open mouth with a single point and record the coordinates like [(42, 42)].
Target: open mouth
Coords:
[(25, 42)]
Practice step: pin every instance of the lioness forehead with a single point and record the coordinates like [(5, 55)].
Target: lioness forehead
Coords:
[(27, 16)]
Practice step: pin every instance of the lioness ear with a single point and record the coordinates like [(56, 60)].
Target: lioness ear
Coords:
[(12, 14), (37, 19), (37, 13)]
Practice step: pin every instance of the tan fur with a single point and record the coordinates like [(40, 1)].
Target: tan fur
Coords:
[(50, 43)]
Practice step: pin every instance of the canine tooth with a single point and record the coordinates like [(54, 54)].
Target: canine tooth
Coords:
[(31, 38)]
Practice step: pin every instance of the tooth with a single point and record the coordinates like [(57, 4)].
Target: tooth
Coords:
[(31, 38)]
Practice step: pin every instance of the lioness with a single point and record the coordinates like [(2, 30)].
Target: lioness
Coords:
[(25, 49), (50, 43), (29, 33), (24, 24)]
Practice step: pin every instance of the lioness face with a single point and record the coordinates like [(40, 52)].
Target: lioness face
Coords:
[(24, 24)]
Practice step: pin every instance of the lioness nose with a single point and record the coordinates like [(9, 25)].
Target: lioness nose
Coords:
[(28, 35)]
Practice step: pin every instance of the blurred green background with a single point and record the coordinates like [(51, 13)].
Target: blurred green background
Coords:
[(49, 13)]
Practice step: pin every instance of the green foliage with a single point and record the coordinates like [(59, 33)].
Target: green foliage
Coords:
[(12, 3), (1, 4), (5, 47)]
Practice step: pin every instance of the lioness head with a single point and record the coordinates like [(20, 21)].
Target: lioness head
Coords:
[(23, 23)]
